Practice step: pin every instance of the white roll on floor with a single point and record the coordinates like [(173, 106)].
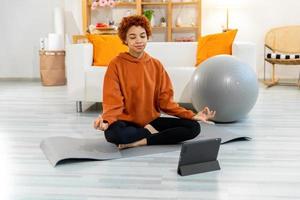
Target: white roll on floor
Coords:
[(56, 42), (59, 21)]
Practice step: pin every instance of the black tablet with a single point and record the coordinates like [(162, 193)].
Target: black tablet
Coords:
[(199, 156)]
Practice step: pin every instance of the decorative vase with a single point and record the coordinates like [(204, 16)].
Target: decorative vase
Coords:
[(178, 22), (163, 24), (152, 22)]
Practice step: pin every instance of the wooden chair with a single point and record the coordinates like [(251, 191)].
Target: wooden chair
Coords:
[(284, 45)]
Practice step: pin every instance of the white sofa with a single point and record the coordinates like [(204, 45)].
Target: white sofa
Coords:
[(85, 81)]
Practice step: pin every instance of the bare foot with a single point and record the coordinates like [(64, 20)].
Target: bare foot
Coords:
[(151, 129), (141, 142)]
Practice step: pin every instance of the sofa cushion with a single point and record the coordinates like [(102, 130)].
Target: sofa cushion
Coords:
[(215, 44), (173, 54), (181, 77), (106, 47)]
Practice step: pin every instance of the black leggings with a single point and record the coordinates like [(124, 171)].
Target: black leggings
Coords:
[(170, 131)]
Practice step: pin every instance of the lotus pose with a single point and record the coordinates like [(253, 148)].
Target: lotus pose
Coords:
[(136, 89)]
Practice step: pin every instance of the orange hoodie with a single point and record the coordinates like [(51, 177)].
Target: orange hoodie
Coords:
[(136, 90)]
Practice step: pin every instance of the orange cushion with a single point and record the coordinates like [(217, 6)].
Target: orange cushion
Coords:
[(106, 47), (215, 44)]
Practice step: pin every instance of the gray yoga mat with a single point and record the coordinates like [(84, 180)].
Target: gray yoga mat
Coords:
[(64, 149)]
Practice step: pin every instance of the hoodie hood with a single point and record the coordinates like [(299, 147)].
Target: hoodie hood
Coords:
[(126, 56)]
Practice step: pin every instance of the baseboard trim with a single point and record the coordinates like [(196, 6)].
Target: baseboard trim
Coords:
[(35, 79)]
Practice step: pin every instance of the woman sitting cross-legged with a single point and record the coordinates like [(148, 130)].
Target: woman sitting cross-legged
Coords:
[(136, 89)]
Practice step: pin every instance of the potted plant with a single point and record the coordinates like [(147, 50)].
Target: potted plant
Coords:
[(163, 22), (149, 14)]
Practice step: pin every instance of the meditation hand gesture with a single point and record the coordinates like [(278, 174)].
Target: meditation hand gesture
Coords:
[(99, 124), (205, 115)]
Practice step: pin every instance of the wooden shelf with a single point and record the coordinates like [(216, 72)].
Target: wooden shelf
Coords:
[(125, 4), (159, 28), (185, 3), (141, 5), (172, 3), (185, 29), (106, 28), (155, 3), (118, 4)]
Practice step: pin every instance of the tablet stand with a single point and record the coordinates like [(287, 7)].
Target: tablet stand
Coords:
[(190, 169)]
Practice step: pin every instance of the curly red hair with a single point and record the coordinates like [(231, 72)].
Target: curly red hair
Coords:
[(133, 20)]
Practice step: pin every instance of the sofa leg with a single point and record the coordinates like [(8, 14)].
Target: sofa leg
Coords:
[(78, 106)]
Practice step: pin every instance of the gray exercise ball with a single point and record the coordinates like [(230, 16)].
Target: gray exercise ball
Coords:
[(227, 85)]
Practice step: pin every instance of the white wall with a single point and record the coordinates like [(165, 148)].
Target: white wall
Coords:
[(253, 18), (24, 22), (73, 18)]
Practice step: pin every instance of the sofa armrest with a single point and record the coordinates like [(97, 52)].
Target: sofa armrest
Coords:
[(78, 58), (245, 51)]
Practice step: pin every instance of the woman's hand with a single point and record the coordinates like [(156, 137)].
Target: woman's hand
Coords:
[(99, 124), (205, 115)]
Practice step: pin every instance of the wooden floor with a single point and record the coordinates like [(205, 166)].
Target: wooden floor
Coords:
[(268, 167)]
